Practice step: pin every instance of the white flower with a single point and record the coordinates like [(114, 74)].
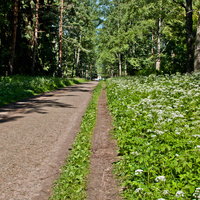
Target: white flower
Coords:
[(180, 194), (197, 193), (196, 135), (138, 171), (159, 132), (154, 136), (135, 153), (165, 192), (160, 178), (197, 147), (177, 155), (138, 190), (161, 199), (177, 133)]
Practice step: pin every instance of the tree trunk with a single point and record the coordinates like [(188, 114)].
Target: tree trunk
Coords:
[(189, 36), (158, 42), (77, 60), (60, 41), (120, 65), (152, 46), (14, 36), (74, 60), (125, 73), (90, 71), (66, 67), (197, 48), (35, 35)]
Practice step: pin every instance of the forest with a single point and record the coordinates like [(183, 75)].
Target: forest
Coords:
[(99, 37)]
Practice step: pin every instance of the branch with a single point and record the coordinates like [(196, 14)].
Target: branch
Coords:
[(166, 46), (181, 3)]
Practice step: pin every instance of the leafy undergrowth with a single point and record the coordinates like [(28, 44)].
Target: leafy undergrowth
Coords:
[(157, 125), (72, 181), (18, 87)]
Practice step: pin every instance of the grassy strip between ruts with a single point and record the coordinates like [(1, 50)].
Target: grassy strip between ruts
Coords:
[(73, 179), (19, 87)]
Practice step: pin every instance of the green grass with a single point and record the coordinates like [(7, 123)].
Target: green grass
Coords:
[(73, 179), (157, 126), (19, 87)]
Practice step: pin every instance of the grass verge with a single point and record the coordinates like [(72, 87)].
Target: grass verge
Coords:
[(19, 87), (72, 182)]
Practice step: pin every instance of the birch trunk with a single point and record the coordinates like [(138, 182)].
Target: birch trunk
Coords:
[(158, 44), (74, 60), (90, 71), (197, 48), (152, 47), (14, 37), (77, 60), (120, 64)]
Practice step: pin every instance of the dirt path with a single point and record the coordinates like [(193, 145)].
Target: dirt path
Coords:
[(102, 185), (35, 137)]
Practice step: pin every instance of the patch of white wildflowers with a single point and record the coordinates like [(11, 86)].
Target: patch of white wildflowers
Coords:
[(197, 193), (163, 112), (160, 178), (138, 190), (180, 194), (138, 171)]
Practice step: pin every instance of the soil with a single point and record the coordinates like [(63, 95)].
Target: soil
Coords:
[(102, 184), (36, 135)]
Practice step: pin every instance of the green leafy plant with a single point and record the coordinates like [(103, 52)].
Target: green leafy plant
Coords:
[(157, 123)]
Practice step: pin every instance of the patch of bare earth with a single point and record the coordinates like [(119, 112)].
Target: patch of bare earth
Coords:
[(102, 184)]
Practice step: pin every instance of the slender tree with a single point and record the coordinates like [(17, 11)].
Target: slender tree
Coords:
[(158, 60), (189, 33), (60, 40), (35, 35), (197, 48), (14, 36)]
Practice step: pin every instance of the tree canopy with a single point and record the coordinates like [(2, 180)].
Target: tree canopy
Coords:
[(113, 37)]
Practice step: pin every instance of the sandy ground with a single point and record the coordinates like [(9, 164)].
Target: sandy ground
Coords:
[(35, 137), (102, 184)]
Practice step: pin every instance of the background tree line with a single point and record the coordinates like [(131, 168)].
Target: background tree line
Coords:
[(115, 37), (36, 39), (148, 36)]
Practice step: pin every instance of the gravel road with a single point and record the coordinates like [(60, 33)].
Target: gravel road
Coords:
[(35, 137)]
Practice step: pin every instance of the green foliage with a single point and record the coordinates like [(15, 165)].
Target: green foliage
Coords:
[(157, 124), (73, 178), (18, 87), (131, 28)]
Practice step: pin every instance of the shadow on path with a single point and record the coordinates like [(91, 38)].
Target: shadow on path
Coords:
[(40, 103)]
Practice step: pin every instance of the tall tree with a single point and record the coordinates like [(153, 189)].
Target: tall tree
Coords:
[(159, 38), (60, 40), (189, 33), (197, 48), (35, 35), (14, 36)]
